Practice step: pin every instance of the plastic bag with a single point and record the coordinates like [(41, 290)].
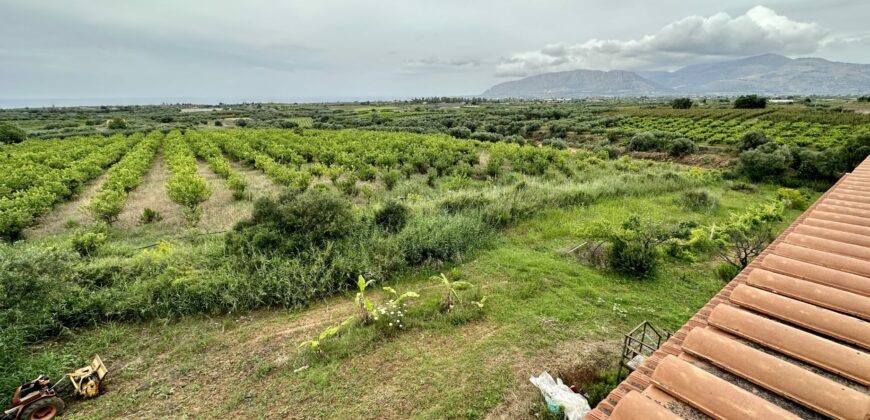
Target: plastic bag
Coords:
[(558, 394)]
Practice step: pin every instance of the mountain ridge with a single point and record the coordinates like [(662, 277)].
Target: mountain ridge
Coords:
[(769, 74)]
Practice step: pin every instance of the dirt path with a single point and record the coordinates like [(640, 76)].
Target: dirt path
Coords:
[(151, 194), (258, 183), (221, 211), (70, 211)]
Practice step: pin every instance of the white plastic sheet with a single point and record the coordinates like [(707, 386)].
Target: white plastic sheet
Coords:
[(558, 394)]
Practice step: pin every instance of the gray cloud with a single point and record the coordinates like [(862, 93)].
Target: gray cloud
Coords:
[(759, 30), (285, 50)]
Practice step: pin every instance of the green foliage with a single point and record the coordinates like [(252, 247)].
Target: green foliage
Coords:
[(606, 381), (117, 124), (453, 287), (391, 178), (205, 148), (107, 204), (329, 332), (746, 234), (47, 172), (672, 143), (86, 243), (294, 222), (699, 200), (555, 143), (792, 198), (439, 237), (10, 134), (125, 175), (750, 102), (726, 272), (752, 140), (633, 247), (681, 103), (767, 161), (393, 216), (185, 187), (149, 216)]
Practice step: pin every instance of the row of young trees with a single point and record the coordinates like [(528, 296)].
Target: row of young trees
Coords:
[(185, 187), (123, 176), (206, 149), (20, 209)]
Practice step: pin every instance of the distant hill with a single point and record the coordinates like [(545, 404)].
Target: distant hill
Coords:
[(578, 83), (765, 74)]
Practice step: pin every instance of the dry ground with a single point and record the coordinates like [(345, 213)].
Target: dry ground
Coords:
[(151, 194), (71, 211)]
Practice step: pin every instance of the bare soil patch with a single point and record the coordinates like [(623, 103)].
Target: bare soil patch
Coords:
[(151, 194), (221, 211)]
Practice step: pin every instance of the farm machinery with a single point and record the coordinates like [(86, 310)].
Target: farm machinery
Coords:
[(41, 400)]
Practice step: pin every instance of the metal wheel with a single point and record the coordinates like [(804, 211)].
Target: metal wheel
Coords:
[(44, 409)]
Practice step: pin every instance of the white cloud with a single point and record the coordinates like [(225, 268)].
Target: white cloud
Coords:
[(760, 30)]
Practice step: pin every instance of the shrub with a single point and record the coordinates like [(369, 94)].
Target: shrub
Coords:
[(391, 178), (347, 185), (117, 124), (792, 198), (699, 200), (189, 190), (612, 152), (606, 381), (752, 140), (293, 222), (149, 216), (633, 247), (10, 134), (750, 101), (555, 143), (767, 161), (242, 122), (392, 217), (107, 204), (86, 243), (237, 186), (726, 272), (681, 146), (856, 149), (218, 123), (439, 237), (681, 103)]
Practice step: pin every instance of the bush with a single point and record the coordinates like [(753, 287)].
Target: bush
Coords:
[(555, 143), (391, 178), (439, 237), (117, 124), (750, 101), (752, 140), (218, 123), (681, 146), (681, 103), (767, 161), (662, 141), (86, 243), (107, 204), (793, 199), (632, 248), (149, 216), (10, 134), (293, 222), (392, 217), (726, 272), (699, 200)]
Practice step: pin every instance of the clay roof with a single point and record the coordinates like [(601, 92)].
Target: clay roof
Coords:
[(789, 337)]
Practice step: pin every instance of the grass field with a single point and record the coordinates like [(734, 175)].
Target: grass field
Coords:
[(205, 311)]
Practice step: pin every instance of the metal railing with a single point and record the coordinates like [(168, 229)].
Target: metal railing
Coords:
[(640, 343)]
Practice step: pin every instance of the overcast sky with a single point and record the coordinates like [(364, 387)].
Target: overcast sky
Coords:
[(292, 50)]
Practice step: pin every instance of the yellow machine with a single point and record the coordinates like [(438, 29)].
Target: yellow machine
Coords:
[(40, 400), (86, 381)]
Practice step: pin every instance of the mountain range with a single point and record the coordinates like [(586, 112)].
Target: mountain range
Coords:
[(767, 74)]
